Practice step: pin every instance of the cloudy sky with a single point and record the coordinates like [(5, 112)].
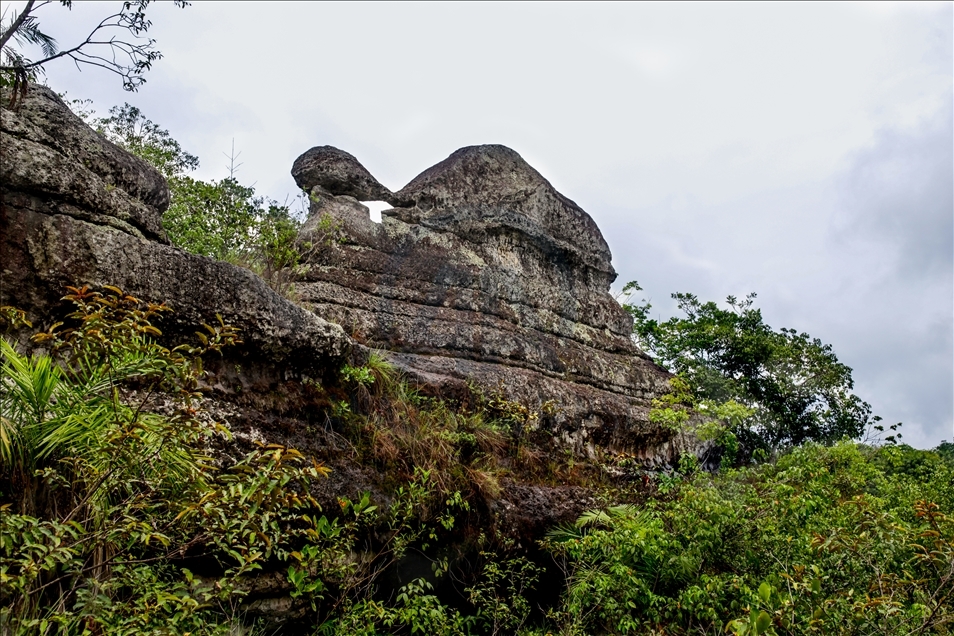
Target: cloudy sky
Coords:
[(801, 151)]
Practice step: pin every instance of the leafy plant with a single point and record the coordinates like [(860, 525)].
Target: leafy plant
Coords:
[(90, 472), (221, 219), (823, 541), (109, 490), (795, 386)]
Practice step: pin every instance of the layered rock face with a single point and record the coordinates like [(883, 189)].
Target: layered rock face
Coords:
[(483, 273), (77, 209)]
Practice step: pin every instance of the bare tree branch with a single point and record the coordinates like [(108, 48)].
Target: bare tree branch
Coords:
[(127, 58), (17, 23)]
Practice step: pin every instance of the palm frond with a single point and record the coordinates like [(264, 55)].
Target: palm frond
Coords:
[(565, 532), (29, 33), (28, 395)]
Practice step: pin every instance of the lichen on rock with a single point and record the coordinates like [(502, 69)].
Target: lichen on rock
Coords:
[(483, 273)]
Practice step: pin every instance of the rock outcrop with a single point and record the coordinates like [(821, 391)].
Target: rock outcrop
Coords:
[(483, 273), (76, 209)]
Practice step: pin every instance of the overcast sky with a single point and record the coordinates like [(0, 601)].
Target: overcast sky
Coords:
[(801, 151)]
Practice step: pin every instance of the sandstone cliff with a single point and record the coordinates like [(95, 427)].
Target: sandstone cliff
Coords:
[(481, 276), (483, 273), (77, 209)]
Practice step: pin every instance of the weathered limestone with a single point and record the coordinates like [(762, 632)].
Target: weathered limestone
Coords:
[(483, 273)]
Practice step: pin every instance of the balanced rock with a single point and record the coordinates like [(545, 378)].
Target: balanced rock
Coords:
[(483, 274)]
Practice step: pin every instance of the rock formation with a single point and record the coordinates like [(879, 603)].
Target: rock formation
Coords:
[(483, 273), (76, 209)]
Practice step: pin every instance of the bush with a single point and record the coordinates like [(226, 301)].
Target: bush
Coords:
[(110, 497), (826, 540), (221, 219)]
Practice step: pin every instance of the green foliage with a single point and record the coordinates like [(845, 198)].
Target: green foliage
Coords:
[(946, 450), (358, 375), (844, 539), (680, 410), (12, 318), (215, 219), (107, 485), (499, 594), (90, 474), (222, 219), (126, 126), (416, 611), (795, 386)]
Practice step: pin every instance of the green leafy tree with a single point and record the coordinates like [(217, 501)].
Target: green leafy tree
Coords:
[(126, 126), (794, 384), (220, 219)]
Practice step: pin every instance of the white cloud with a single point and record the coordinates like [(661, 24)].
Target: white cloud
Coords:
[(721, 148)]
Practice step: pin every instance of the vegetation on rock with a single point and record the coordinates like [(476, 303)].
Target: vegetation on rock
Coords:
[(127, 510), (221, 219), (138, 499)]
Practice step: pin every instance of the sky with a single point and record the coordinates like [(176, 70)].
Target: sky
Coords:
[(802, 151)]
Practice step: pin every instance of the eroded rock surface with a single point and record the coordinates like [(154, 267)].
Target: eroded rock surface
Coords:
[(483, 273), (76, 209)]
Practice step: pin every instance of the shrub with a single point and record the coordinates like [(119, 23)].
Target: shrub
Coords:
[(109, 494), (823, 541), (220, 219)]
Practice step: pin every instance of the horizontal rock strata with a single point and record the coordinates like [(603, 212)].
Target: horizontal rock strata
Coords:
[(76, 209), (483, 273)]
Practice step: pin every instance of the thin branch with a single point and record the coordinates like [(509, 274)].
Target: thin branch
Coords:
[(87, 42), (17, 23), (140, 52)]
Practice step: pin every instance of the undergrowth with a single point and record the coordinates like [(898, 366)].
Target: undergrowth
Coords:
[(117, 519), (125, 511), (470, 446)]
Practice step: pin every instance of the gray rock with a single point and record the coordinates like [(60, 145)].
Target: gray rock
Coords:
[(61, 225), (49, 151), (483, 273), (339, 173)]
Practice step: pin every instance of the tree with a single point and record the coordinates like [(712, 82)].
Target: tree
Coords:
[(795, 385), (220, 219), (126, 126), (117, 44)]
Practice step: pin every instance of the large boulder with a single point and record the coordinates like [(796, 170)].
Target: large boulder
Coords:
[(77, 209), (483, 274)]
